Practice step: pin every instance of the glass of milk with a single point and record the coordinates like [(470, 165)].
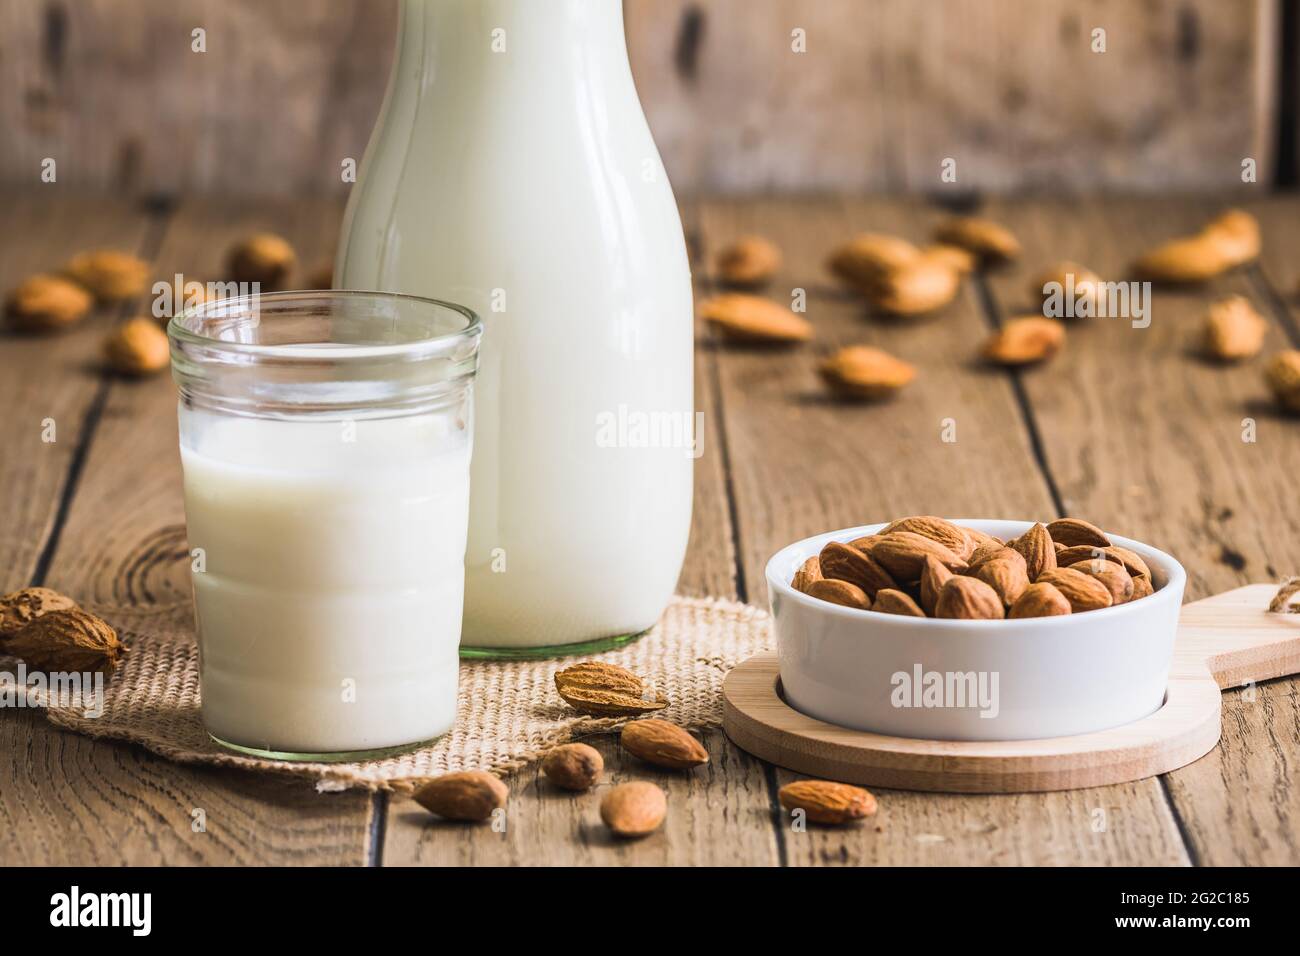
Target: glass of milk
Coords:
[(325, 440)]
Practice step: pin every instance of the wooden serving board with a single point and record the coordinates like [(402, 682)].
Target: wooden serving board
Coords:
[(1223, 641)]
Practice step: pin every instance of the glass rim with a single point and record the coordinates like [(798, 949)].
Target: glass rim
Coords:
[(417, 348)]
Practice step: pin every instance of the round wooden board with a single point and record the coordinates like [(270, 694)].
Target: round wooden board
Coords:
[(759, 721)]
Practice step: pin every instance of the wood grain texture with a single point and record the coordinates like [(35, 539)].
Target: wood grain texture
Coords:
[(1142, 435), (884, 92), (801, 464), (122, 552)]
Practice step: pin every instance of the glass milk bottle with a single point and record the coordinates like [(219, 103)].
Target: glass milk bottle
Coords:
[(512, 170)]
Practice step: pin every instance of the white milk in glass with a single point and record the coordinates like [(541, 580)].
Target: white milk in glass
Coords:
[(512, 171), (328, 581)]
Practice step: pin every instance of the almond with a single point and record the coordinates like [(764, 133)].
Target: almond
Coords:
[(825, 802), (936, 529), (1072, 532), (1084, 592), (1006, 575), (979, 537), (1117, 581), (970, 599), (985, 239), (1065, 279), (67, 640), (890, 601), (1234, 330), (137, 347), (110, 276), (840, 592), (903, 554), (573, 766), (44, 303), (864, 259), (864, 372), (1142, 587), (933, 577), (264, 258), (23, 606), (843, 562), (1038, 550), (1283, 376), (957, 259), (663, 744), (809, 571), (754, 320), (634, 809), (1224, 243), (1040, 600), (1133, 564), (1025, 340), (469, 795), (986, 551), (1237, 234), (605, 690), (920, 286), (749, 261)]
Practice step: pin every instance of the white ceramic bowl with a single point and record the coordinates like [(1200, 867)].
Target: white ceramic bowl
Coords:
[(1039, 677)]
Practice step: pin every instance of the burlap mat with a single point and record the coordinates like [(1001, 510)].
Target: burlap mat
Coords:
[(509, 713)]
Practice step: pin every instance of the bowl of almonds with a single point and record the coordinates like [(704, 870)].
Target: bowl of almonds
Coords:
[(964, 629)]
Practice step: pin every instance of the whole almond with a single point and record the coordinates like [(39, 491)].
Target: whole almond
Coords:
[(1117, 581), (25, 605), (1075, 531), (109, 275), (826, 802), (264, 258), (936, 529), (137, 347), (865, 258), (1141, 587), (903, 554), (1040, 600), (573, 766), (1084, 592), (864, 372), (1038, 550), (933, 577), (634, 809), (889, 601), (1133, 564), (44, 303), (956, 258), (68, 640), (809, 571), (1283, 377), (1006, 575), (469, 795), (984, 238), (1234, 330), (1059, 281), (968, 598), (1224, 243), (749, 261), (663, 744), (840, 592), (1025, 340), (606, 690), (985, 551), (754, 320), (844, 562), (920, 286)]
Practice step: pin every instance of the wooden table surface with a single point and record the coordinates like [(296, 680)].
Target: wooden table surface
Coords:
[(1127, 428)]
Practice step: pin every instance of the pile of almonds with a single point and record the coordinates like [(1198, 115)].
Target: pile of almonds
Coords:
[(110, 278), (924, 566), (50, 633), (637, 808)]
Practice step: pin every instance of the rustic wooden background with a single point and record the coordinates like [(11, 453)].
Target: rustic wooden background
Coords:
[(886, 90)]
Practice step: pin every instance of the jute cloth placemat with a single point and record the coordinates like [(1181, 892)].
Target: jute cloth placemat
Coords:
[(508, 716)]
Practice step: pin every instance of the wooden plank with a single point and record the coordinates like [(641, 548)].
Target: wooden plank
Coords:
[(885, 90), (1146, 438), (122, 551), (717, 815), (803, 464)]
